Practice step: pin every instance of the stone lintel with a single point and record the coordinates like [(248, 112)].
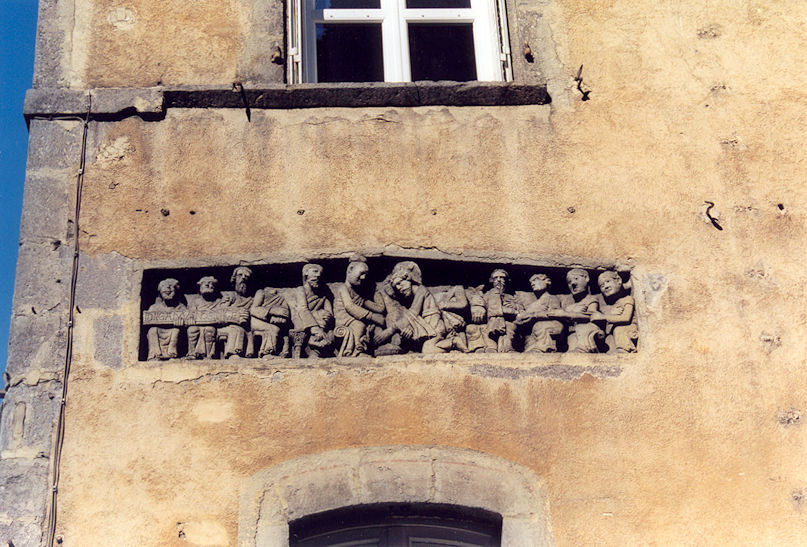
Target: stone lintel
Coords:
[(307, 485)]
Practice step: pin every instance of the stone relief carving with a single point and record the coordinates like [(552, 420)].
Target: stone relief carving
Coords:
[(312, 316), (542, 328), (207, 313), (270, 321), (163, 337), (368, 314)]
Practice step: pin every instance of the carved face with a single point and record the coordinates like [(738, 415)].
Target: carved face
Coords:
[(241, 280), (356, 273), (610, 283), (311, 277), (168, 291), (403, 286), (499, 280), (540, 283), (207, 286), (578, 281)]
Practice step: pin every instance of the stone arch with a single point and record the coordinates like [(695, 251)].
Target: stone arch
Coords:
[(353, 476)]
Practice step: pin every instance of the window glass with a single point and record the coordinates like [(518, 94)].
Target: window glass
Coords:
[(442, 51), (461, 4), (349, 53), (349, 4), (397, 41)]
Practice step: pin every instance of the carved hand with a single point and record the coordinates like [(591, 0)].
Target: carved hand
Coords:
[(497, 326), (376, 318), (382, 336), (524, 318), (477, 314)]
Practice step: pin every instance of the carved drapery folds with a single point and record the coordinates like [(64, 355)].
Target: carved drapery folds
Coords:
[(384, 306)]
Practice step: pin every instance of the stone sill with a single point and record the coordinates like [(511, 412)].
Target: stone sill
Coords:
[(110, 104), (515, 366)]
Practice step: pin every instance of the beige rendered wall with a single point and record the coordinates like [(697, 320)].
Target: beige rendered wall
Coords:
[(693, 440)]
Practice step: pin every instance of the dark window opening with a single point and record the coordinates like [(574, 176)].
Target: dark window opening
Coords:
[(398, 525), (347, 4), (349, 53), (429, 4), (442, 52)]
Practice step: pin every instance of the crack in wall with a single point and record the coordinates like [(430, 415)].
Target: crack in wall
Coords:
[(195, 379), (35, 377), (556, 371)]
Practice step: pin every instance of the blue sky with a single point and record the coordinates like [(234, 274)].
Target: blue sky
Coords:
[(17, 30)]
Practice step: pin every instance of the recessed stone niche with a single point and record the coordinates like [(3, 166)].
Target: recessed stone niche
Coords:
[(382, 305)]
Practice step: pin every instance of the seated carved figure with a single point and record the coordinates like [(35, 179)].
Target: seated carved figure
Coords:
[(312, 315), (576, 311), (543, 330), (455, 310), (270, 320), (413, 316), (238, 302), (359, 320), (617, 308), (492, 315), (162, 340), (202, 334)]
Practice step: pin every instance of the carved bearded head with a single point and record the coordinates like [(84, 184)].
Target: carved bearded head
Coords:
[(240, 280), (311, 275), (169, 290), (499, 279), (208, 286), (540, 283)]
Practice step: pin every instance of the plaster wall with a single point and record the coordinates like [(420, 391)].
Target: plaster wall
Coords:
[(627, 458), (696, 439)]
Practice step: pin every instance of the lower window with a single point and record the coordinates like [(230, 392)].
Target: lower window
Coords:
[(398, 525)]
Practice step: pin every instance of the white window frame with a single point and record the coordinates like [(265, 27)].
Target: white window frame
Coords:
[(491, 42)]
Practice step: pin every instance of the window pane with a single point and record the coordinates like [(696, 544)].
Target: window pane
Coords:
[(411, 4), (442, 52), (428, 542), (349, 53), (348, 4)]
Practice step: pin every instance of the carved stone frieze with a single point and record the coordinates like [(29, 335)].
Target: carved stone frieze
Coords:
[(381, 306)]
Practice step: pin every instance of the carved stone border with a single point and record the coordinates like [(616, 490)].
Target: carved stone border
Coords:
[(393, 474)]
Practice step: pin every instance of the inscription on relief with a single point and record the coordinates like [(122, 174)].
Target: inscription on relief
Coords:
[(380, 306)]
